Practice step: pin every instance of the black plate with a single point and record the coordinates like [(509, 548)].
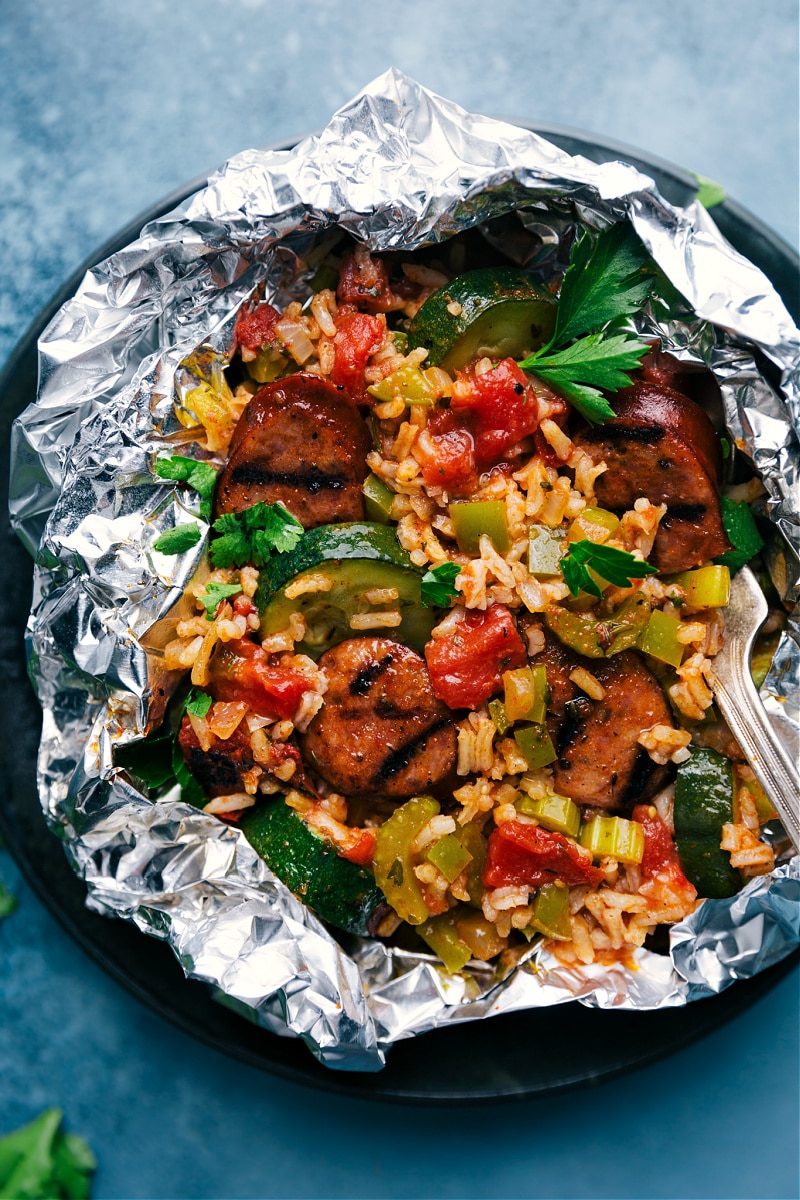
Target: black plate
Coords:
[(481, 1061)]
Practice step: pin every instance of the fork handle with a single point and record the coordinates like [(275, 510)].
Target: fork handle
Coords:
[(741, 707)]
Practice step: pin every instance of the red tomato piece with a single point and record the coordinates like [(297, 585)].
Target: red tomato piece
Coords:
[(660, 852), (357, 336), (364, 283), (363, 852), (240, 670), (520, 855), (466, 666), (451, 462), (256, 328), (503, 406)]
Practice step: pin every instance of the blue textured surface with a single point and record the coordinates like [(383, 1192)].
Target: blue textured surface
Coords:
[(106, 106)]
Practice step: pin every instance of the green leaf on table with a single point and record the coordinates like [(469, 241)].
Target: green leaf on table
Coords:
[(41, 1162)]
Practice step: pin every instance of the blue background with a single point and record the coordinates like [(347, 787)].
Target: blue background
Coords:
[(107, 106)]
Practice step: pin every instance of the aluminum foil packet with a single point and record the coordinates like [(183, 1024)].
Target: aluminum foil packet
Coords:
[(397, 167)]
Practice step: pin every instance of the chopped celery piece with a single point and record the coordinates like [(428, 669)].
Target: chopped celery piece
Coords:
[(472, 519), (407, 382), (660, 638), (707, 587), (449, 857), (544, 551), (535, 745), (498, 714), (442, 936), (551, 913), (268, 365), (378, 499), (594, 525), (539, 710), (394, 871), (557, 813), (614, 836)]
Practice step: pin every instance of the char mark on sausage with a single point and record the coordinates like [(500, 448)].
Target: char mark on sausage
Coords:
[(381, 732), (600, 761), (661, 445), (299, 442)]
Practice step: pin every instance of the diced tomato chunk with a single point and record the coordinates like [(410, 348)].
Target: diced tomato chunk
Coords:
[(240, 670), (364, 283), (256, 328), (363, 852), (357, 336), (520, 855), (503, 406), (660, 852), (450, 463), (466, 666)]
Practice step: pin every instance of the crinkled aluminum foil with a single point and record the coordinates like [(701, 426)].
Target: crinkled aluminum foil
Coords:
[(397, 167)]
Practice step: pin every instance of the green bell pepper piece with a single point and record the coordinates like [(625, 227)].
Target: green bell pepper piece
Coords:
[(660, 638), (544, 551), (471, 839), (442, 936), (449, 857), (394, 871), (535, 745), (551, 913), (409, 383), (471, 519), (600, 637), (707, 587), (557, 813), (498, 714), (378, 499)]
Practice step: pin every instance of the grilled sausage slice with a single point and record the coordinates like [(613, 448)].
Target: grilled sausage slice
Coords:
[(298, 441), (663, 446), (600, 761), (381, 731)]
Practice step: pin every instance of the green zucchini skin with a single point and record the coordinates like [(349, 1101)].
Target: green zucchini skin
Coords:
[(358, 557), (338, 891), (501, 314), (703, 804)]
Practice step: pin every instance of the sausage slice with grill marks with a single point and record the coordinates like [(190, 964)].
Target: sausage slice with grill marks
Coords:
[(600, 761), (663, 446), (381, 731), (300, 442)]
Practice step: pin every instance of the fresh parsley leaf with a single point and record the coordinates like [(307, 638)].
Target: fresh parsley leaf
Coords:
[(198, 703), (438, 585), (591, 363), (604, 281), (8, 901), (742, 533), (199, 475), (210, 598), (616, 566), (252, 535), (178, 540), (41, 1162)]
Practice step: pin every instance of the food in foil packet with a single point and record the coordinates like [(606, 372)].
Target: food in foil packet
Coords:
[(472, 541), (389, 540)]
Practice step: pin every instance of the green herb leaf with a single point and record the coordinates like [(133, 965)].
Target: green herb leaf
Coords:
[(210, 598), (8, 901), (616, 566), (251, 536), (438, 585), (709, 193), (40, 1162), (742, 533), (178, 540), (198, 703), (199, 475), (604, 281), (591, 363)]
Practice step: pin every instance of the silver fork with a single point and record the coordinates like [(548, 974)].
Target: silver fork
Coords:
[(739, 702)]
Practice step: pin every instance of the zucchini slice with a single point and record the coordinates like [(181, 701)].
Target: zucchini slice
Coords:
[(356, 560), (493, 311), (338, 890), (703, 804)]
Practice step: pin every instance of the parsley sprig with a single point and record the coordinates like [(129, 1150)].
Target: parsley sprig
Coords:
[(200, 476), (252, 535), (615, 566), (604, 284), (210, 598), (438, 585)]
